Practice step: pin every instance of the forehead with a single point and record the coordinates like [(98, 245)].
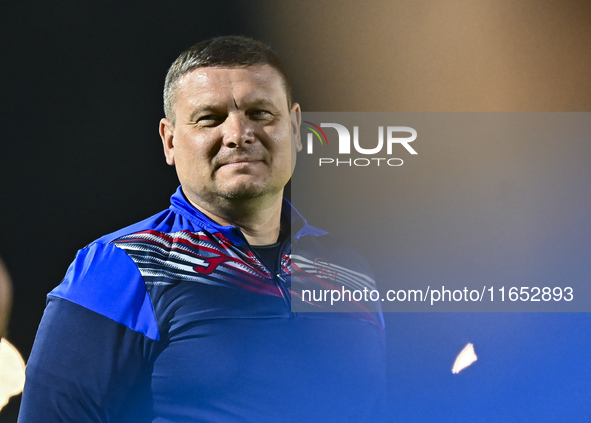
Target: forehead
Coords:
[(240, 84)]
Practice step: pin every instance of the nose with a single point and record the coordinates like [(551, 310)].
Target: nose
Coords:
[(238, 131)]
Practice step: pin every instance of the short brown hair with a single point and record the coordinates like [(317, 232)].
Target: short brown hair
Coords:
[(228, 51)]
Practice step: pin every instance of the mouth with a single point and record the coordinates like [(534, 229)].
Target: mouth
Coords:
[(243, 162)]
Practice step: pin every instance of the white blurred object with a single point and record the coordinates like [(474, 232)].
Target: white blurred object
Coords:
[(12, 372), (466, 357)]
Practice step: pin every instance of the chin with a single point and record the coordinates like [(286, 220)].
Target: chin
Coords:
[(241, 195), (248, 192), (244, 193)]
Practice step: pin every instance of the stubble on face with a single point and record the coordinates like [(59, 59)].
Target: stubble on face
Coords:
[(228, 165)]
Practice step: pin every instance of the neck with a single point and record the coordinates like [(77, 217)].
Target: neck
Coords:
[(259, 219)]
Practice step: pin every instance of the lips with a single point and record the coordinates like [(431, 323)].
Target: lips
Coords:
[(239, 161), (242, 161)]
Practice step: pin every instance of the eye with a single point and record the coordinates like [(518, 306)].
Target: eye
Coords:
[(263, 115), (210, 121)]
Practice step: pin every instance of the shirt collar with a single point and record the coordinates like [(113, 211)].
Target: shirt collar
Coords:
[(180, 204)]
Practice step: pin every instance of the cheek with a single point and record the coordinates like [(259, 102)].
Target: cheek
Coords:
[(191, 164), (192, 150)]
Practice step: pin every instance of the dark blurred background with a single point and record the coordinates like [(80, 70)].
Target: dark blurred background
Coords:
[(81, 89)]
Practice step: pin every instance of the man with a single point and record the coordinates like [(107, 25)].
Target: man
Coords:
[(187, 316)]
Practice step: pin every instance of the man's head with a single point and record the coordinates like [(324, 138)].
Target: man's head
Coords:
[(220, 52), (235, 132)]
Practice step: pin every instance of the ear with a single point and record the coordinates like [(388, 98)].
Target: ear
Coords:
[(296, 121), (166, 131)]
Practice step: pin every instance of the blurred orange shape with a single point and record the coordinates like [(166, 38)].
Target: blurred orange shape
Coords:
[(12, 372)]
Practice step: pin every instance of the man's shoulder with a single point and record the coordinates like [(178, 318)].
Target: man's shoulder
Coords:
[(322, 246), (326, 266), (103, 277), (166, 221)]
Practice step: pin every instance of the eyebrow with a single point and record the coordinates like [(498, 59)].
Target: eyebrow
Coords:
[(260, 102)]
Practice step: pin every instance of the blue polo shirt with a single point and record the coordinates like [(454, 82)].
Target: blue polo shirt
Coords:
[(177, 319)]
